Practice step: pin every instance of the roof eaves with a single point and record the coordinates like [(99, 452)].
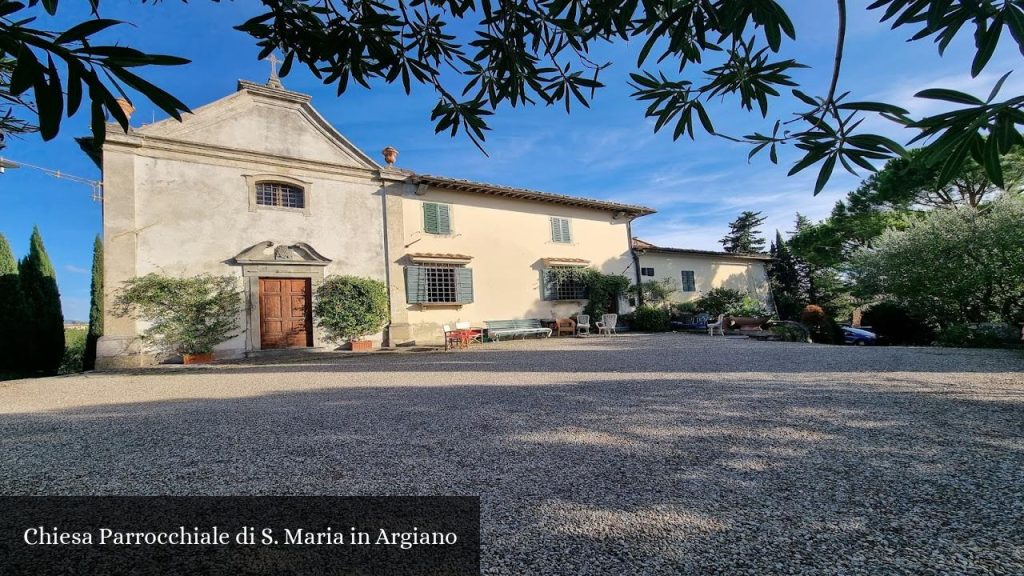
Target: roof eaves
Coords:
[(462, 185)]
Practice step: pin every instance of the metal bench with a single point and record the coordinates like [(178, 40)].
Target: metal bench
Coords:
[(496, 329)]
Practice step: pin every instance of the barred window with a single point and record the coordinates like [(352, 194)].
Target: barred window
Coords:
[(647, 271), (439, 284), (561, 284), (280, 195)]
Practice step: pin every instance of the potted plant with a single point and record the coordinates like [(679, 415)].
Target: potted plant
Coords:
[(349, 308), (186, 316)]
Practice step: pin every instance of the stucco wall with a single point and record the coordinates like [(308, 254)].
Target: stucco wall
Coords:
[(179, 204), (507, 239), (709, 271)]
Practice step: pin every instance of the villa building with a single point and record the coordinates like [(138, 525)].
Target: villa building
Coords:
[(260, 186), (694, 272)]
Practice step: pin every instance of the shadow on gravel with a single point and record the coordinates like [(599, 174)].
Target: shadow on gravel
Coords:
[(646, 353), (660, 476)]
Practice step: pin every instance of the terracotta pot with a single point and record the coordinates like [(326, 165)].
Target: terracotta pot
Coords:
[(362, 345), (198, 358)]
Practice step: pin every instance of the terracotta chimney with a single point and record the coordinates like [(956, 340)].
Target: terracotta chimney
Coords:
[(126, 107), (390, 155)]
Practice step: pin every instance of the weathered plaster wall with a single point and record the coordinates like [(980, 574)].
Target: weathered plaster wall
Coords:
[(745, 275), (179, 204), (507, 239)]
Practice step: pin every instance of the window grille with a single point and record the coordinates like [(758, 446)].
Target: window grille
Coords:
[(647, 271), (689, 284), (560, 230), (279, 195), (564, 286), (439, 284)]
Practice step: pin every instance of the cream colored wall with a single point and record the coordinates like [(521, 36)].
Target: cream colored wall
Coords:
[(181, 214), (745, 275), (507, 239)]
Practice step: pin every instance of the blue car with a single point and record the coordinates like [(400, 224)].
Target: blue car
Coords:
[(858, 336)]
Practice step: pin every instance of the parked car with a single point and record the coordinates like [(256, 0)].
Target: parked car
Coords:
[(859, 336)]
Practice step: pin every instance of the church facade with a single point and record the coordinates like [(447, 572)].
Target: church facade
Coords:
[(259, 186)]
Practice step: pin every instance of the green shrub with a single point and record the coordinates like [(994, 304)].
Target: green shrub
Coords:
[(979, 336), (74, 352), (349, 307), (603, 291), (790, 332), (749, 306), (685, 309), (897, 325), (650, 319), (186, 315), (720, 301)]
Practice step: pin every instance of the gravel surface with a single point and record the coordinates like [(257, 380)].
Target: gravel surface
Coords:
[(637, 454)]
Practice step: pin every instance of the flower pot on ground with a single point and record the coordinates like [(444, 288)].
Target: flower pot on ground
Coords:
[(186, 316), (362, 345), (350, 308), (204, 358)]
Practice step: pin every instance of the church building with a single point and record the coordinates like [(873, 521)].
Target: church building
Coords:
[(259, 186)]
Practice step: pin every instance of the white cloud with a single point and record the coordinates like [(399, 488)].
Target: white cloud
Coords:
[(75, 269)]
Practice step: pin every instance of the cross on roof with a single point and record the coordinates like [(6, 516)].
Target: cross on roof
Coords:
[(275, 80)]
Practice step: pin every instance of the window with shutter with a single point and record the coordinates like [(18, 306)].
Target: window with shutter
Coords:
[(438, 284), (689, 283), (558, 284), (437, 218), (560, 230)]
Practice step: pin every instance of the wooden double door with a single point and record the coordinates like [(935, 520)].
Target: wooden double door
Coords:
[(286, 313)]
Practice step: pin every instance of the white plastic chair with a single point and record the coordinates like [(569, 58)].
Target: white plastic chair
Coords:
[(607, 324), (720, 324), (582, 324)]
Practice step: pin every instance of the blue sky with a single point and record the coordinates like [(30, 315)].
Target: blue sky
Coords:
[(608, 151)]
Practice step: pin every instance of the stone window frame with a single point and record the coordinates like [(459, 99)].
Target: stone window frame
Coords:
[(306, 186)]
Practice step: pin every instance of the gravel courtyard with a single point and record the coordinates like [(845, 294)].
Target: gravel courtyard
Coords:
[(637, 454)]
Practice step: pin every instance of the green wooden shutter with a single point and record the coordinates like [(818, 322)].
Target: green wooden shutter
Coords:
[(444, 219), (437, 218), (566, 235), (464, 285), (430, 218), (415, 287), (545, 285)]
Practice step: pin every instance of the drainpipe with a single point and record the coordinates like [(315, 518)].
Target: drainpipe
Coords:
[(636, 264)]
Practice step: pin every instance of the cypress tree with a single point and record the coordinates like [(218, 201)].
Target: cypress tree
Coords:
[(45, 325), (12, 310), (95, 305)]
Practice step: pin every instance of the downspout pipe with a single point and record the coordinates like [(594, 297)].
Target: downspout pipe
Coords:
[(636, 264)]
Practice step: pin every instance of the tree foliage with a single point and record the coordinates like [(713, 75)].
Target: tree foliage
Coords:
[(12, 310), (744, 236), (785, 280), (95, 305), (185, 315), (954, 266), (44, 330), (349, 307), (478, 56), (657, 292)]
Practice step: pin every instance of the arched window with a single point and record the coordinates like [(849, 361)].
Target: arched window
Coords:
[(280, 195)]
